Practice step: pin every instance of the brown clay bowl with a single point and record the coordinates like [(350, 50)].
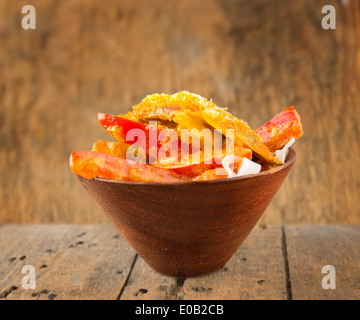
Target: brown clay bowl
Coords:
[(187, 229)]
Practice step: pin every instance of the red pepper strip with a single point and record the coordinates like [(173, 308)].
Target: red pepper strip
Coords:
[(196, 169), (91, 164), (119, 127), (279, 130), (213, 174)]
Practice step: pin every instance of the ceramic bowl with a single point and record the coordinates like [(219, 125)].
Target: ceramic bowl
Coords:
[(187, 229)]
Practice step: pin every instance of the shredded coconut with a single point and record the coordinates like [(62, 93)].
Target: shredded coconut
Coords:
[(248, 167), (227, 160), (281, 154)]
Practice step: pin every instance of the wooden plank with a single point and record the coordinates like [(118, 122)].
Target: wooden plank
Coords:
[(94, 262), (310, 248), (71, 262), (146, 284), (256, 271)]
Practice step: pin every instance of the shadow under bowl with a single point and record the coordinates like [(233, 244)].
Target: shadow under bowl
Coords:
[(187, 229)]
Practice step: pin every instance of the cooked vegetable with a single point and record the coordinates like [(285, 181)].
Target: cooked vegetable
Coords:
[(114, 148), (279, 130), (213, 174), (175, 147), (197, 169), (148, 137), (120, 127), (91, 164)]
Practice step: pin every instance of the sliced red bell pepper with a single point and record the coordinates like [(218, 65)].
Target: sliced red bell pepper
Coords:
[(213, 174), (191, 170), (280, 129), (91, 164), (119, 127), (196, 169)]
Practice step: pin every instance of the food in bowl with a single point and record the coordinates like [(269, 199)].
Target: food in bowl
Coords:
[(184, 137)]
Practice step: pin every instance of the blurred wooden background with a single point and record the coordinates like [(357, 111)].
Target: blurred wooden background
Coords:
[(255, 57)]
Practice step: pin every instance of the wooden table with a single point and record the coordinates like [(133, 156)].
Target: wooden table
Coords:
[(95, 262)]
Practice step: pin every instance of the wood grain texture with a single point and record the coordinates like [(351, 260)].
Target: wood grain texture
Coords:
[(310, 248), (146, 284), (255, 272), (94, 262), (71, 262), (254, 57)]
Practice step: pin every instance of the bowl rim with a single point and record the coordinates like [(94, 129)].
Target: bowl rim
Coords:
[(290, 159)]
